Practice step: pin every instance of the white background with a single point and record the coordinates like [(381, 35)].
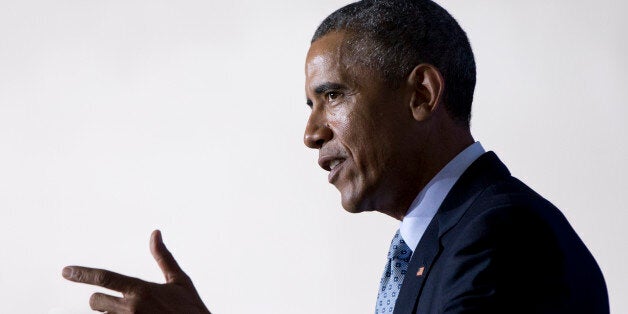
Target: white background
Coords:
[(118, 117)]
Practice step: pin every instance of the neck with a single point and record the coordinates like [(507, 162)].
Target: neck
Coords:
[(431, 160)]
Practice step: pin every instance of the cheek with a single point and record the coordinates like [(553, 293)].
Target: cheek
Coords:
[(360, 136), (350, 130)]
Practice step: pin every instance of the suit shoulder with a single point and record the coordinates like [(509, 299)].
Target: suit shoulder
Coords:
[(510, 196), (516, 222)]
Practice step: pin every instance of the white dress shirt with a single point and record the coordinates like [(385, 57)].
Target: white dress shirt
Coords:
[(426, 204)]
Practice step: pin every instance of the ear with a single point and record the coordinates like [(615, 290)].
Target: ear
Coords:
[(427, 84)]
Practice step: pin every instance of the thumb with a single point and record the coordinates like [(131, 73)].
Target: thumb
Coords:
[(165, 260)]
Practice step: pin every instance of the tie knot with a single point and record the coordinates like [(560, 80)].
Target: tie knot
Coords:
[(399, 249)]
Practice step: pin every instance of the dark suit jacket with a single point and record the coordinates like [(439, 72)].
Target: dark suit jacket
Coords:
[(496, 246)]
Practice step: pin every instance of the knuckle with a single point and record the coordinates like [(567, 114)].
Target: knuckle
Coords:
[(185, 278), (142, 291), (102, 278), (132, 307), (78, 275), (180, 278)]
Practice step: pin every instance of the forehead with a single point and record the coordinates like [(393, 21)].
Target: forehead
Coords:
[(325, 61)]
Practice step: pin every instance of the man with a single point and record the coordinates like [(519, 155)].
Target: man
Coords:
[(390, 85)]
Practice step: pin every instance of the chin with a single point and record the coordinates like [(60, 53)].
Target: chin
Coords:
[(351, 208), (353, 203), (358, 198), (357, 194)]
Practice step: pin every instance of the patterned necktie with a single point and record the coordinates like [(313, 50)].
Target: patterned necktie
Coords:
[(398, 258)]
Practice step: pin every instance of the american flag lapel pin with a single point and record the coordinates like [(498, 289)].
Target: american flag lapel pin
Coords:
[(420, 272)]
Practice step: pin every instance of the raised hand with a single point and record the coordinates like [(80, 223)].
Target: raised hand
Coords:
[(177, 295)]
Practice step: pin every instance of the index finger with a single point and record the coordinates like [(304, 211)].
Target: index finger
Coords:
[(102, 278)]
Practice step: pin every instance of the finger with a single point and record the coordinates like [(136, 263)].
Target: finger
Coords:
[(102, 278), (169, 266), (106, 303)]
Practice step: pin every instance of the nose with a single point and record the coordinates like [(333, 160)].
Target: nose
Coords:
[(317, 132)]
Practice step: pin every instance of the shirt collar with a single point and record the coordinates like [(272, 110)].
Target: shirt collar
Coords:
[(426, 204)]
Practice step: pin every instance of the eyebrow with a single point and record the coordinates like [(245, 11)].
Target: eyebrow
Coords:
[(327, 86)]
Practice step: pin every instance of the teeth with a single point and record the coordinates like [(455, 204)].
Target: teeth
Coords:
[(333, 164)]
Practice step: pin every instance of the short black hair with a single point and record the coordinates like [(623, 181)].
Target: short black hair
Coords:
[(398, 35)]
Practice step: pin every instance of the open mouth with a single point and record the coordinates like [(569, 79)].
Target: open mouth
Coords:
[(329, 163), (334, 169), (333, 164)]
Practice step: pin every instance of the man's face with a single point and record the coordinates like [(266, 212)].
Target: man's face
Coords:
[(359, 125)]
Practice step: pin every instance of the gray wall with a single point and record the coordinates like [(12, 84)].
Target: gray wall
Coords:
[(118, 117)]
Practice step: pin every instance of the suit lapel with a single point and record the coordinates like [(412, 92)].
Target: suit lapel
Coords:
[(484, 171)]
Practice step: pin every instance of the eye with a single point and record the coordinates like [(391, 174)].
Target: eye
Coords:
[(331, 96)]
